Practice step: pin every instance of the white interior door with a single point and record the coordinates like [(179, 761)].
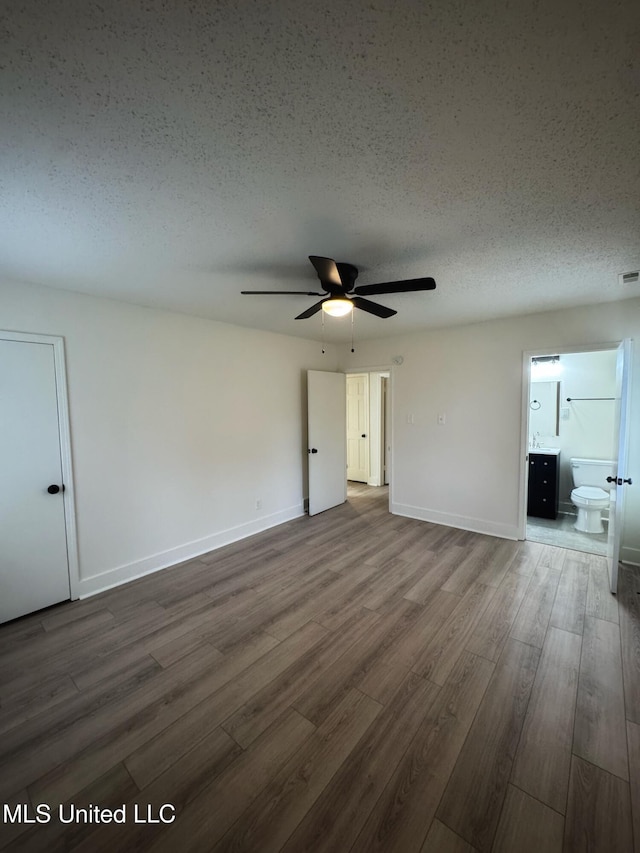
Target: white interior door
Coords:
[(358, 427), (326, 406), (34, 569), (616, 507)]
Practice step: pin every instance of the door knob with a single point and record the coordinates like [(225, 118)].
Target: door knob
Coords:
[(53, 489), (364, 435), (312, 450), (611, 479), (621, 481)]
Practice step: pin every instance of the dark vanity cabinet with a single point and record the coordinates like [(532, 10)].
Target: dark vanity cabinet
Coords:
[(544, 484)]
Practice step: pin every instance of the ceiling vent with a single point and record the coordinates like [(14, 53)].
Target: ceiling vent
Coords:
[(629, 277)]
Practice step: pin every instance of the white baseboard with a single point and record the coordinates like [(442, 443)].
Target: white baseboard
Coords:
[(631, 556), (475, 525), (189, 551)]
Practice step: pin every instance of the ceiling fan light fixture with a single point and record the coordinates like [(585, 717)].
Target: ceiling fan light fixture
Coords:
[(337, 307), (340, 295)]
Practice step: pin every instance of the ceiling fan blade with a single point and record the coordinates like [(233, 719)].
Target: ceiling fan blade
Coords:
[(310, 311), (283, 292), (409, 286), (373, 307), (327, 271)]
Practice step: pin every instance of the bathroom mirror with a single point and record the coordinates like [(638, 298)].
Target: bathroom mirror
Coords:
[(544, 409)]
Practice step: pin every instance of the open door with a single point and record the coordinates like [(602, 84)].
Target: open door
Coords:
[(327, 447), (622, 480)]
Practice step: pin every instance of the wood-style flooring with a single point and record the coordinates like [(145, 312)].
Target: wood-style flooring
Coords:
[(354, 681)]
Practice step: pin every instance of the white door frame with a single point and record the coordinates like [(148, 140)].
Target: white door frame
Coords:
[(65, 446), (383, 368), (527, 355)]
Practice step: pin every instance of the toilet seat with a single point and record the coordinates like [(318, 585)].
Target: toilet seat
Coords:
[(591, 496)]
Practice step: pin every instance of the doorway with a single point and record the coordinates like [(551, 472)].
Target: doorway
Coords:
[(327, 431), (368, 426), (570, 440)]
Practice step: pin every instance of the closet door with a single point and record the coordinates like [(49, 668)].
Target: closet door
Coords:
[(34, 568), (358, 427)]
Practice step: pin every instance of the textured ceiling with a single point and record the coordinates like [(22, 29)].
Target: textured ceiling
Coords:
[(175, 153)]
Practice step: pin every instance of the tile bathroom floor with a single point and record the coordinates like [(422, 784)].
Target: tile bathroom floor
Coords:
[(562, 533)]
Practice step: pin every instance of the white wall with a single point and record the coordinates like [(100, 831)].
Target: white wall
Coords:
[(178, 426), (466, 473)]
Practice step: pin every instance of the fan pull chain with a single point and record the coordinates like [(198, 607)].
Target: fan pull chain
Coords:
[(353, 320), (322, 312)]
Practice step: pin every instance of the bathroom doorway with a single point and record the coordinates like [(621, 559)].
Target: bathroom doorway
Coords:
[(571, 445)]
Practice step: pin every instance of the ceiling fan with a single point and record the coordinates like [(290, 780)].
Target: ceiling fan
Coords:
[(341, 296)]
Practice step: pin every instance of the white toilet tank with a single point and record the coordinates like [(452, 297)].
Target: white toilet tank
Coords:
[(592, 472)]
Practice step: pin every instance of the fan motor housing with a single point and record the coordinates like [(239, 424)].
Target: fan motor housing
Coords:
[(348, 275)]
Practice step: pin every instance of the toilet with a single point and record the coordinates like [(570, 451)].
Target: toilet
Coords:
[(591, 493)]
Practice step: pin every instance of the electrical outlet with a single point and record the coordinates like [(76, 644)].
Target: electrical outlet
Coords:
[(442, 419), (259, 503)]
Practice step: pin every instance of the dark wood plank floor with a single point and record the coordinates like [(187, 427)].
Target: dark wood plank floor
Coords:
[(353, 681)]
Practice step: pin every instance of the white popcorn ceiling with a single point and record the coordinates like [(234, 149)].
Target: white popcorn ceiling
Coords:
[(174, 153)]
